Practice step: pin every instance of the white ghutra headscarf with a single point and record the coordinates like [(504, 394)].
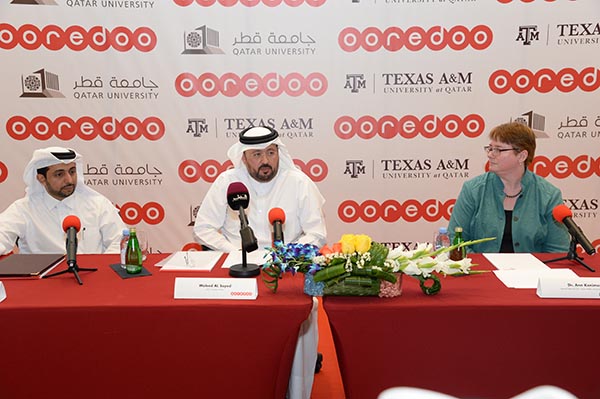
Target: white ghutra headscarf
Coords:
[(259, 138), (45, 157)]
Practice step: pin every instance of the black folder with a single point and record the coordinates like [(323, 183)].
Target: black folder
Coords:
[(28, 265)]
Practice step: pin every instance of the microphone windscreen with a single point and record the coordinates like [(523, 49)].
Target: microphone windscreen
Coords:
[(276, 214), (560, 212), (238, 195), (71, 221)]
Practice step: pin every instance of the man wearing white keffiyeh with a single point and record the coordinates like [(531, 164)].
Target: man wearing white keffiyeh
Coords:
[(262, 163), (54, 190)]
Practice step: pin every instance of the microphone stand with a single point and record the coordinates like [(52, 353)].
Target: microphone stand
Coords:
[(72, 268), (244, 269), (572, 255), (248, 244)]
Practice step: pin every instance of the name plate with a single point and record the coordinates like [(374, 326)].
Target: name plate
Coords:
[(582, 287), (2, 292), (215, 288)]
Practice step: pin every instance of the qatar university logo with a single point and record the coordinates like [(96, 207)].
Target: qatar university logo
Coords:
[(202, 40), (42, 84)]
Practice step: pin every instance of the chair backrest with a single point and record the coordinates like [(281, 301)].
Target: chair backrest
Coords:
[(412, 393), (545, 392), (541, 392)]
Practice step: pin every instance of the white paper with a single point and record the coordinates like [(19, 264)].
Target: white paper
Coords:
[(519, 261), (215, 288), (190, 260), (255, 257), (529, 278), (2, 292)]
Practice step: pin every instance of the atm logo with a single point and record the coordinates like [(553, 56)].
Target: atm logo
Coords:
[(416, 38), (250, 3), (76, 38), (133, 213)]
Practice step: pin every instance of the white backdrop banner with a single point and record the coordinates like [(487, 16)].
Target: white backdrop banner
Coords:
[(385, 104)]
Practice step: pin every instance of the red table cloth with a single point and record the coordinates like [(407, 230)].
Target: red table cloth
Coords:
[(475, 339), (116, 338)]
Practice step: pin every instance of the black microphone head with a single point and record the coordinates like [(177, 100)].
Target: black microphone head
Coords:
[(238, 196)]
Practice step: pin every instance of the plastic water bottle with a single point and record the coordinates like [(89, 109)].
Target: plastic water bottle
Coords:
[(123, 246), (441, 239)]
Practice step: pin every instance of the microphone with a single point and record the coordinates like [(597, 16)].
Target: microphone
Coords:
[(563, 214), (71, 225), (277, 219), (238, 198)]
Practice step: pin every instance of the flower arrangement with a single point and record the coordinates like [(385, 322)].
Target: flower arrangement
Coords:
[(357, 266)]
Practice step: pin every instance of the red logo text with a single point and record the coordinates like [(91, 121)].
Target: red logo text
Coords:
[(409, 126), (415, 38), (133, 213), (98, 38), (3, 172), (545, 80), (561, 167), (390, 211), (526, 1), (191, 171), (251, 3), (251, 84), (86, 128)]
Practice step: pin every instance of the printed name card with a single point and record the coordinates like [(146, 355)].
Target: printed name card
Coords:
[(2, 292), (581, 287), (215, 288)]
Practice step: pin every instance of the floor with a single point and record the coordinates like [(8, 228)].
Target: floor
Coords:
[(328, 382)]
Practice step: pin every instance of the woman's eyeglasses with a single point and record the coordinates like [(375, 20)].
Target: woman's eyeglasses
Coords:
[(495, 151)]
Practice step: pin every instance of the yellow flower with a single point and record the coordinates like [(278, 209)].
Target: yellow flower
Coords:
[(348, 243), (362, 243)]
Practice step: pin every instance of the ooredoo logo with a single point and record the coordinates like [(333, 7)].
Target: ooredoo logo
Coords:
[(561, 167), (545, 80), (77, 38), (3, 172), (526, 1), (133, 213), (250, 3), (191, 171), (316, 169), (86, 128), (192, 246), (251, 84), (416, 38), (390, 211), (409, 126)]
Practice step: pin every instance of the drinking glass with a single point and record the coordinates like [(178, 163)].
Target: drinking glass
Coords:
[(143, 240)]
